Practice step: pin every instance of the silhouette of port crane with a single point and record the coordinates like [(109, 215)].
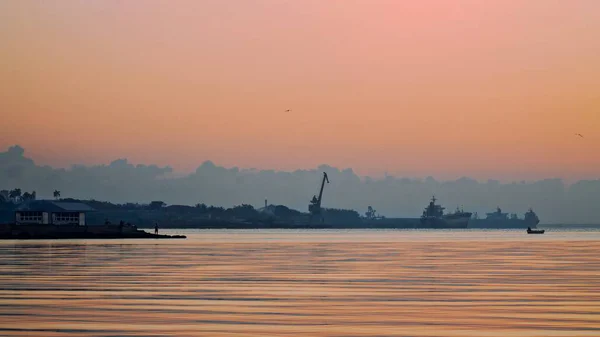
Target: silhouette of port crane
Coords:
[(315, 204)]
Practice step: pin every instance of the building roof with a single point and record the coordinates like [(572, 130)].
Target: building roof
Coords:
[(53, 206)]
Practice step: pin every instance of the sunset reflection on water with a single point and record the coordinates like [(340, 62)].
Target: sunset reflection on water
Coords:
[(305, 283)]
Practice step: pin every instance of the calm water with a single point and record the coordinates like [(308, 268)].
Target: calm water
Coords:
[(305, 283)]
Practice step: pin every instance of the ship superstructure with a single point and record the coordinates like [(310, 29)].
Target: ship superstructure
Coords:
[(433, 217), (499, 219)]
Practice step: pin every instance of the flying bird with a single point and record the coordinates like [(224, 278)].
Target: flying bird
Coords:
[(580, 135)]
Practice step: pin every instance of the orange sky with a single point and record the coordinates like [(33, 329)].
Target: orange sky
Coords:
[(487, 89)]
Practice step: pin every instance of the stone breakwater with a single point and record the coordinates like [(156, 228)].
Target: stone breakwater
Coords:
[(22, 232)]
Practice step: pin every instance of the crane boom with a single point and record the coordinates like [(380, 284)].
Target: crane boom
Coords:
[(314, 207), (325, 178)]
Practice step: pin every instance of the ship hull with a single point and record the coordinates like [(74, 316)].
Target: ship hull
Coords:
[(450, 222), (502, 224)]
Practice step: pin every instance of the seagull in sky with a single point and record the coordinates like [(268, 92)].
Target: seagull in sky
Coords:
[(580, 135)]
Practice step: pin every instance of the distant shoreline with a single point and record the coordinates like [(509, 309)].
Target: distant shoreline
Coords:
[(562, 226)]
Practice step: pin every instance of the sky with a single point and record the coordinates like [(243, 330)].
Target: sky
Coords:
[(484, 89)]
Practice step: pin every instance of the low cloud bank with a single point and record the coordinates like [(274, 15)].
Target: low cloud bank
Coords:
[(121, 181)]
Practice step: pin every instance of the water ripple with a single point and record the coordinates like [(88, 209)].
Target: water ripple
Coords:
[(305, 283)]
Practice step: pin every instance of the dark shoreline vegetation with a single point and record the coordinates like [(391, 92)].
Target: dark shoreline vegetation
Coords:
[(243, 216), (200, 215)]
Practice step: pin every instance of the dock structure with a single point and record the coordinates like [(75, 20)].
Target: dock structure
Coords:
[(49, 219), (50, 212)]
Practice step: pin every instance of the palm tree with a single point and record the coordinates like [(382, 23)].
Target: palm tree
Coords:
[(15, 194), (56, 194)]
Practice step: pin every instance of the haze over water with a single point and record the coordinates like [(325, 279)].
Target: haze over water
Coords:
[(305, 283)]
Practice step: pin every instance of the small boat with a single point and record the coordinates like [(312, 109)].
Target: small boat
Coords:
[(535, 231)]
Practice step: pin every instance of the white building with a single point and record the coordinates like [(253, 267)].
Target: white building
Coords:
[(48, 212)]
